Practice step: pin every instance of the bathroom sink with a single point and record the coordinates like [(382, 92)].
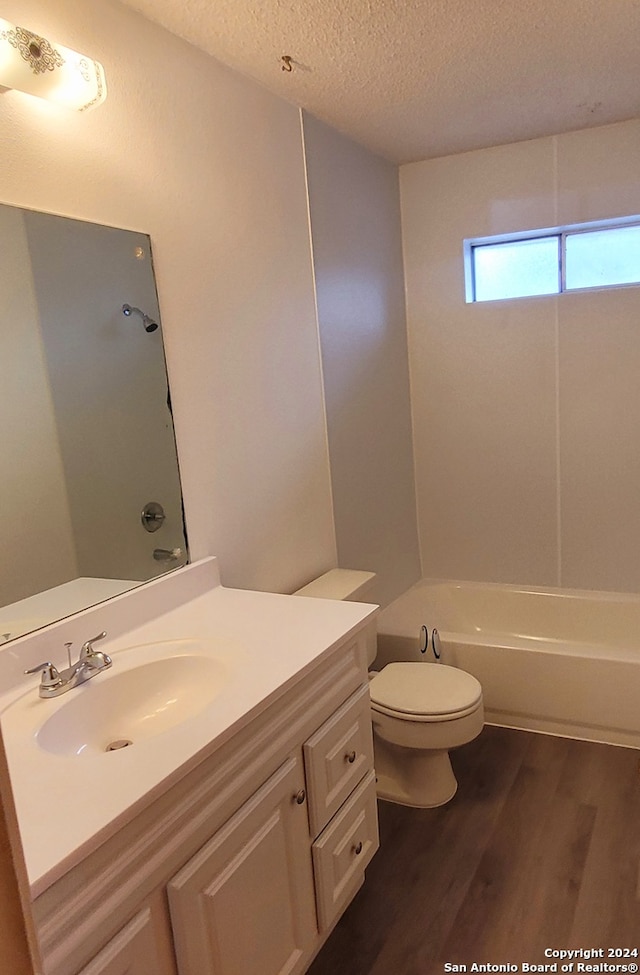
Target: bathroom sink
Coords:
[(120, 709)]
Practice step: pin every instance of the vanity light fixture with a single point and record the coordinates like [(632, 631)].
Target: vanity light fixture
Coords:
[(37, 66)]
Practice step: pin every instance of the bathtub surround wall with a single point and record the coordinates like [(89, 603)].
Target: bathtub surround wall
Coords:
[(526, 412), (354, 208)]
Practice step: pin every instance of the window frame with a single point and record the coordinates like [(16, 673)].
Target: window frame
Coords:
[(561, 233)]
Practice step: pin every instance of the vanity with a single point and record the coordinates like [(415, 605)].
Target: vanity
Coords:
[(230, 835)]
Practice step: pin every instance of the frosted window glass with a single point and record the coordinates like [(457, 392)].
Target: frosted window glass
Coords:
[(517, 268), (602, 257)]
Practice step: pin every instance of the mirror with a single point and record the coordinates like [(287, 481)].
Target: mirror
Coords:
[(85, 420)]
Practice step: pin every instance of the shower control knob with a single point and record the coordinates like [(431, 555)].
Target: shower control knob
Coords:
[(152, 516)]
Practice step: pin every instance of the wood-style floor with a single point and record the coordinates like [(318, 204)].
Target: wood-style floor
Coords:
[(540, 848)]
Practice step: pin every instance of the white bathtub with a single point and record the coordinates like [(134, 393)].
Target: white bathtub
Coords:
[(561, 661)]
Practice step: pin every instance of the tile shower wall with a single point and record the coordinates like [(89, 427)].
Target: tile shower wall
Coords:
[(526, 412)]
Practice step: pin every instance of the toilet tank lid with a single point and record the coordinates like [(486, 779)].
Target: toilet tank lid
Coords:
[(424, 688), (351, 584)]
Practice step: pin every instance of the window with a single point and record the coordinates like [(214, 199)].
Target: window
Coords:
[(602, 258), (517, 268), (552, 261)]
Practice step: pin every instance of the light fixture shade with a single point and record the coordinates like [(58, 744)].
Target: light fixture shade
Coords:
[(31, 63)]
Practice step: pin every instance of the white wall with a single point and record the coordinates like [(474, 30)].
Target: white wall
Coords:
[(526, 412), (357, 251), (210, 165), (36, 538)]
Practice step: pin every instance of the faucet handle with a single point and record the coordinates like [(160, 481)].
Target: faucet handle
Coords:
[(87, 648), (50, 675)]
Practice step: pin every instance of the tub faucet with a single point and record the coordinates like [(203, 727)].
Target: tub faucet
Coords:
[(90, 662)]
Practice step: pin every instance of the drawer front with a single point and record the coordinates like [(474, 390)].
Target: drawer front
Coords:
[(343, 850), (337, 757)]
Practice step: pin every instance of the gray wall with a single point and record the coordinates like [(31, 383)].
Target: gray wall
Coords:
[(357, 250)]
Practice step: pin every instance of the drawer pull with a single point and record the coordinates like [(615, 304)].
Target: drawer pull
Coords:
[(300, 796), (350, 757), (358, 849)]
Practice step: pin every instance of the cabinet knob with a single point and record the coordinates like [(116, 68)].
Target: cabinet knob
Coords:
[(357, 849), (350, 757), (300, 796)]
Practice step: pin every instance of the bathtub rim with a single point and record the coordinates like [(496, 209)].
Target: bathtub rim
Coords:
[(505, 638)]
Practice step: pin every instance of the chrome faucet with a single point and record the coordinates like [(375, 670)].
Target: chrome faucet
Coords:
[(90, 662)]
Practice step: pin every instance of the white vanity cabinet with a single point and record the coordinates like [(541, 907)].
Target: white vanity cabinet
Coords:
[(246, 903), (243, 865), (142, 947)]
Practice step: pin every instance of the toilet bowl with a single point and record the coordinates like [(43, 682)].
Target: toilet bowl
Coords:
[(419, 712)]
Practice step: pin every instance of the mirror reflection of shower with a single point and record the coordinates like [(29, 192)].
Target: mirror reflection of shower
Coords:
[(97, 461), (149, 324)]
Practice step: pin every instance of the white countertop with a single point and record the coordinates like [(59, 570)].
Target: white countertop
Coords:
[(68, 804)]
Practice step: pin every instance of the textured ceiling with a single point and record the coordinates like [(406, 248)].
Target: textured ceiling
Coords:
[(423, 78)]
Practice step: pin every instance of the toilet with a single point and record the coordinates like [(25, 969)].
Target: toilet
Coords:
[(419, 711)]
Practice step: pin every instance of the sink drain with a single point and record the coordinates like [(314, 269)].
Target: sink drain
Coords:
[(114, 746)]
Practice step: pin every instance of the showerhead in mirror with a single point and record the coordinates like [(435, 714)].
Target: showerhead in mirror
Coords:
[(149, 324)]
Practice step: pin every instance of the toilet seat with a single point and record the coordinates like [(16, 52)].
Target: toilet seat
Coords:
[(424, 692)]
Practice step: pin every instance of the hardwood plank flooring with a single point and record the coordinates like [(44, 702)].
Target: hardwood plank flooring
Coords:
[(540, 848)]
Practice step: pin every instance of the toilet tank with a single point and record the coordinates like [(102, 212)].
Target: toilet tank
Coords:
[(350, 584)]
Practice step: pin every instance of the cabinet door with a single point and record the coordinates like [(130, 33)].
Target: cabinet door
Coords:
[(143, 947), (244, 905)]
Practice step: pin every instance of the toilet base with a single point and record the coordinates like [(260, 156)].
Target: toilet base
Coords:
[(413, 777)]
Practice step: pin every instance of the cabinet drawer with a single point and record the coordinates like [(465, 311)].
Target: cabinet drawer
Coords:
[(343, 850), (336, 758)]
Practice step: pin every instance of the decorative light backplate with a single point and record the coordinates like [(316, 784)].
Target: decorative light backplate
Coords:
[(37, 66)]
